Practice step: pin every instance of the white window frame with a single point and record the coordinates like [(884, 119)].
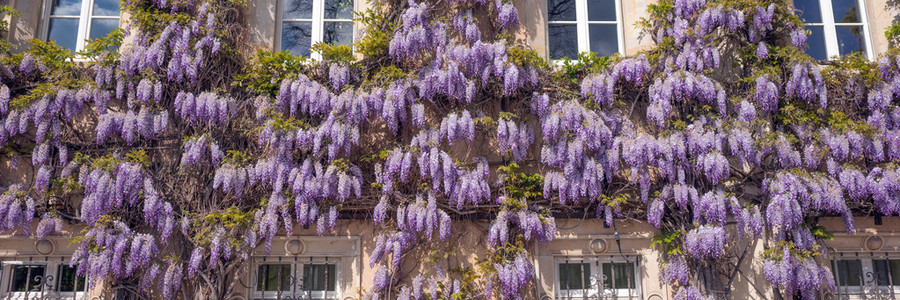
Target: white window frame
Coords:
[(51, 268), (318, 20), (832, 49), (583, 27), (596, 263), (867, 268), (296, 264), (84, 22)]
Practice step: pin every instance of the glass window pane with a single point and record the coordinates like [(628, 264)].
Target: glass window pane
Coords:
[(319, 277), (809, 10), (850, 39), (338, 33), (296, 37), (574, 276), (604, 39), (849, 272), (618, 275), (601, 10), (102, 27), (298, 9), (845, 11), (815, 42), (106, 8), (561, 10), (64, 32), (339, 9), (895, 271), (882, 271), (270, 277), (68, 279), (27, 278), (563, 41), (65, 8)]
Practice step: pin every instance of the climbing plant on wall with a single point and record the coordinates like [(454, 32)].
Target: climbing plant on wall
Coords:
[(179, 152)]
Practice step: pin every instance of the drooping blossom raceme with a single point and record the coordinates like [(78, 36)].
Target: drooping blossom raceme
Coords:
[(195, 150), (514, 138), (507, 15), (691, 293), (514, 274), (102, 252), (706, 241), (798, 38), (806, 84), (48, 225), (766, 94), (206, 107), (675, 270), (793, 273), (529, 224), (416, 34), (16, 210)]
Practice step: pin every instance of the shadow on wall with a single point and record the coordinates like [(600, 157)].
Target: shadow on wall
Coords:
[(262, 34)]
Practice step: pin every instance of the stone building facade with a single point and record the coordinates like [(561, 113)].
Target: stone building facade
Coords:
[(336, 265)]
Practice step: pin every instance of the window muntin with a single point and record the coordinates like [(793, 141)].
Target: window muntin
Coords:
[(835, 27), (300, 278), (307, 22), (69, 23), (596, 276), (576, 26), (44, 279)]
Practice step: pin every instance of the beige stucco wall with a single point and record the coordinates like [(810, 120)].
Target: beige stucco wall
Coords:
[(881, 13), (27, 26)]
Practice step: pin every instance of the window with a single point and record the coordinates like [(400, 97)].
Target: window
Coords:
[(307, 22), (597, 277), (835, 27), (576, 26), (40, 280), (70, 22), (866, 274), (299, 278)]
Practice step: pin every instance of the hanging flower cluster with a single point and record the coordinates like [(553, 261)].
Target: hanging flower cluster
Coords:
[(514, 139), (112, 250), (16, 210), (196, 148)]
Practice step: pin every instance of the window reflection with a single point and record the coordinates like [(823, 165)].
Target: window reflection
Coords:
[(65, 8), (298, 9), (845, 11), (296, 37), (850, 39), (338, 33), (102, 27), (338, 9), (602, 10), (561, 10), (815, 42), (563, 41), (64, 32), (106, 8), (604, 39), (809, 10)]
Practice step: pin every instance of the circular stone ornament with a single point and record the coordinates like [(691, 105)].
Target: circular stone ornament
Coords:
[(599, 245), (44, 247), (294, 247), (874, 243)]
